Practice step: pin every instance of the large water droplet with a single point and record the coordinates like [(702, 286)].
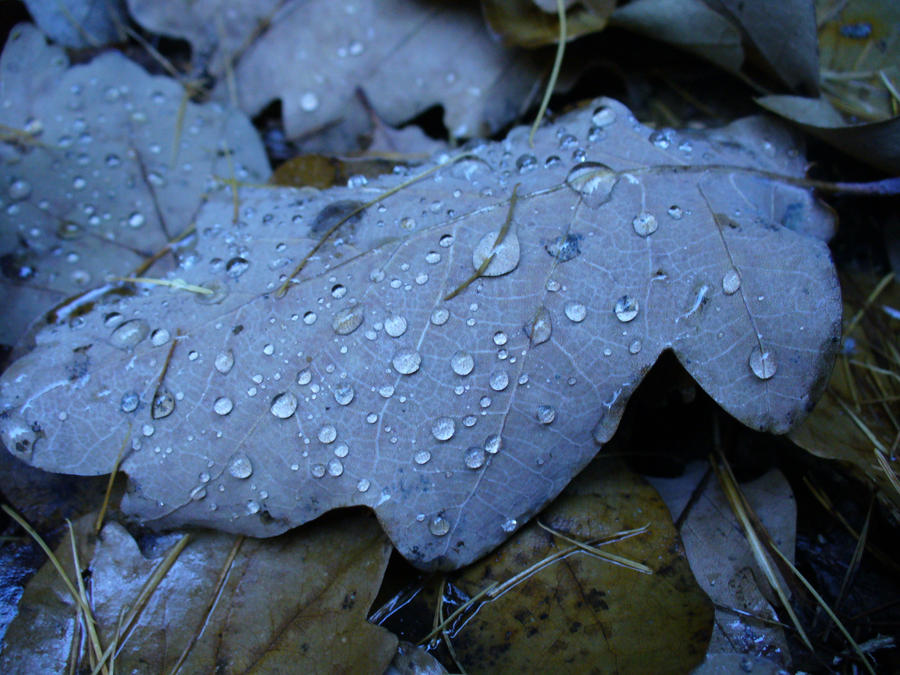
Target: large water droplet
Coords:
[(19, 189), (309, 318), (236, 267), (593, 181), (462, 363), (223, 405), (129, 334), (763, 363), (422, 457), (130, 401), (439, 526), (284, 405), (644, 224), (406, 361), (348, 320), (540, 327), (526, 162), (224, 361), (163, 404), (240, 466), (500, 338), (363, 485), (443, 428), (626, 308), (474, 457), (327, 434), (731, 282), (159, 337), (344, 394), (335, 467), (440, 316), (575, 311), (499, 380), (492, 444), (603, 116), (395, 325), (505, 254), (564, 248), (545, 414)]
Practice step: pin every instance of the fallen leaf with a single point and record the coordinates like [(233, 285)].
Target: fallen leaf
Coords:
[(292, 604), (533, 23), (91, 185), (582, 613), (79, 23), (391, 375)]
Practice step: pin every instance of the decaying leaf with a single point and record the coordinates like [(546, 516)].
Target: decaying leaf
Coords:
[(79, 23), (292, 604), (582, 613), (532, 23), (454, 356), (102, 166)]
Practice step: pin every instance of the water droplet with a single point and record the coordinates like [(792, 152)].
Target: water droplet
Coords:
[(603, 116), (634, 347), (432, 257), (395, 325), (159, 337), (439, 316), (731, 282), (545, 414), (284, 405), (129, 334), (304, 377), (317, 470), (344, 394), (662, 138), (509, 525), (626, 308), (348, 320), (163, 404), (19, 189), (439, 526), (338, 291), (474, 457), (540, 327), (575, 311), (240, 466), (136, 219), (492, 444), (223, 405), (224, 361), (505, 254), (763, 363), (564, 248), (644, 224), (593, 181), (363, 485), (406, 361), (309, 318), (386, 391), (130, 401), (500, 338), (309, 101), (341, 450), (327, 434), (335, 467), (526, 163), (499, 380), (675, 212), (236, 267), (268, 349), (446, 240), (198, 493), (422, 457), (462, 363), (443, 428)]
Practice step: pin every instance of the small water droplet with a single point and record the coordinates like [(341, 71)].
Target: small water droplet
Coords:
[(731, 282), (675, 212), (309, 101), (634, 347), (240, 466), (575, 311), (348, 320), (564, 248), (130, 401), (159, 337), (283, 405), (662, 138), (223, 405), (440, 316), (500, 338), (644, 224), (327, 434), (505, 254), (443, 428), (540, 327), (422, 457), (626, 308), (19, 189), (335, 467), (163, 404), (474, 457), (236, 267), (395, 325), (446, 240), (224, 361), (462, 363), (198, 493), (304, 377), (499, 380), (129, 334), (406, 361), (545, 414), (338, 291), (492, 444), (136, 219), (309, 318), (432, 257), (363, 485), (526, 163), (439, 526), (317, 470), (509, 525), (763, 363), (386, 391), (344, 394), (268, 349), (603, 116)]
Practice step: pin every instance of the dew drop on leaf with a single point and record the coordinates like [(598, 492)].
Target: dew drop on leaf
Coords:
[(462, 363), (644, 224), (675, 212), (327, 434), (492, 444), (474, 457), (634, 347), (593, 181), (129, 334), (731, 282), (363, 485), (443, 428), (500, 338), (19, 189), (224, 361), (335, 467), (163, 404), (309, 318), (240, 466), (545, 414), (395, 325), (763, 363), (422, 457), (304, 377), (575, 311), (439, 316), (505, 254), (439, 526), (509, 525), (603, 116), (223, 405), (406, 361), (626, 308), (159, 337), (283, 405), (343, 395), (540, 327), (348, 320), (317, 470), (236, 267), (130, 401), (499, 380)]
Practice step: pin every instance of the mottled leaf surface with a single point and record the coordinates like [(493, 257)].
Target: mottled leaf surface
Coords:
[(105, 168), (292, 604), (391, 376), (79, 23)]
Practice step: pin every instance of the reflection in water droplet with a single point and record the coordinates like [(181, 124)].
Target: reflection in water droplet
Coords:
[(439, 526), (462, 363), (223, 405), (593, 181), (474, 457), (603, 116), (499, 380), (439, 316), (406, 361), (159, 337), (395, 325), (731, 282), (129, 334), (626, 308), (540, 327), (130, 401), (526, 163), (492, 444), (563, 249), (224, 361), (163, 404), (575, 311), (239, 466), (284, 405), (344, 394), (500, 338), (348, 320), (763, 363), (422, 457), (545, 414), (327, 434), (505, 254), (644, 224), (236, 267), (446, 240), (443, 428), (309, 318)]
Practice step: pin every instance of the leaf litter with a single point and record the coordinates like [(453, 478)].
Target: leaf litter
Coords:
[(454, 419)]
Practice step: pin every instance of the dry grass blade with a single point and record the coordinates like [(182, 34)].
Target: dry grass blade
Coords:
[(101, 514), (609, 557), (554, 74), (176, 284), (84, 608)]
